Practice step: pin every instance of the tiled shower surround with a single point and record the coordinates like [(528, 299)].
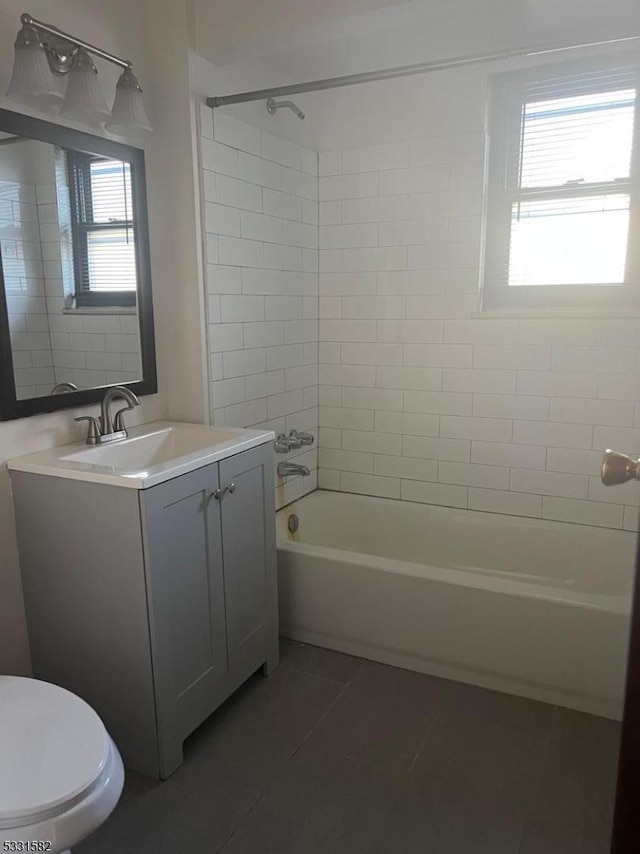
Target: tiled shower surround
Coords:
[(261, 232), (422, 396)]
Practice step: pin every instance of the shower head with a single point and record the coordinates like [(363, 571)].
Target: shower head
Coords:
[(273, 106)]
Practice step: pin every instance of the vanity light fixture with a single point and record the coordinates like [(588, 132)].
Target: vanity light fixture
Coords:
[(84, 101), (32, 81), (47, 58), (128, 106)]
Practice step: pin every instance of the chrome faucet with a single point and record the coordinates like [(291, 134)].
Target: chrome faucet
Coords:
[(63, 388), (285, 469), (109, 427), (105, 429)]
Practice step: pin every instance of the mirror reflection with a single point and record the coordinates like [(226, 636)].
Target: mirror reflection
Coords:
[(67, 244)]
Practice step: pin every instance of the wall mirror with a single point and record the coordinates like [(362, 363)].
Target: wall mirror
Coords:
[(76, 311)]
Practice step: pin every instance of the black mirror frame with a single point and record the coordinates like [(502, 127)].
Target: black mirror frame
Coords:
[(12, 408)]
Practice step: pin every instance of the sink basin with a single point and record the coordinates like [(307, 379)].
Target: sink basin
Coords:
[(150, 454), (142, 452)]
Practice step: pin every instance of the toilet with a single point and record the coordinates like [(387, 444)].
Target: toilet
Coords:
[(60, 773)]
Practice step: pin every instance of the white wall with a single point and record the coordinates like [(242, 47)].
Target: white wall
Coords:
[(171, 159)]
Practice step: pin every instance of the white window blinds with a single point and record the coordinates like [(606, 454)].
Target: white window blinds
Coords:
[(561, 182), (103, 228), (111, 257)]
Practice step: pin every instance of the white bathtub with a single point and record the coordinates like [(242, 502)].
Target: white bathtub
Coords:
[(539, 609)]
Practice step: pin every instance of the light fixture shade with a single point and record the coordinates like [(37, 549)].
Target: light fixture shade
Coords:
[(129, 114), (84, 101), (32, 81)]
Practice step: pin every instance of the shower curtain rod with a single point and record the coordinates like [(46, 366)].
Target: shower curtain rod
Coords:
[(401, 71)]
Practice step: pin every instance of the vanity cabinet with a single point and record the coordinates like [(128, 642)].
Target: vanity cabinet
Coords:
[(155, 604)]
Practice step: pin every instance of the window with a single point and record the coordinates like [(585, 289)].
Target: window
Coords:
[(103, 231), (562, 191)]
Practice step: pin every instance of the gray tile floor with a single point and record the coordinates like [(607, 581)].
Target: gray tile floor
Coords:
[(334, 754)]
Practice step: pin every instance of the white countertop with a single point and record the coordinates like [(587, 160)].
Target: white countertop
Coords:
[(151, 454)]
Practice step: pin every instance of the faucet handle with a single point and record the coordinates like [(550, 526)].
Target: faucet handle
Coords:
[(93, 434), (294, 440), (282, 444), (118, 421), (299, 439)]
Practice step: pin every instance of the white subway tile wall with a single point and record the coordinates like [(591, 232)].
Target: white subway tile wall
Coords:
[(419, 397), (422, 399), (260, 196), (24, 287)]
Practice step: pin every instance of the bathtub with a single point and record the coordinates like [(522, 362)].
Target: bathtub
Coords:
[(534, 608)]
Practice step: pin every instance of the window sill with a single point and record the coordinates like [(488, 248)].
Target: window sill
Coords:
[(103, 309), (598, 312)]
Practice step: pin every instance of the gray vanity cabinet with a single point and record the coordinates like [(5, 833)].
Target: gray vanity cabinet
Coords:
[(211, 577), (247, 536), (189, 570), (183, 545)]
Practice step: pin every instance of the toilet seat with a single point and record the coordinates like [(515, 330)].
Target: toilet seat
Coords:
[(60, 773), (53, 748)]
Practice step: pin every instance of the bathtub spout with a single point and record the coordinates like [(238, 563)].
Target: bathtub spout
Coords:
[(286, 469)]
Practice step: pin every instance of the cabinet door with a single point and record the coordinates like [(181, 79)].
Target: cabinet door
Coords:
[(186, 591), (248, 542)]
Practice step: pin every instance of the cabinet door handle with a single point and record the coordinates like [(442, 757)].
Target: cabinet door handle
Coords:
[(219, 494)]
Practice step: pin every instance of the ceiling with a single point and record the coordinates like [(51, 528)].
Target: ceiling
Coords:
[(228, 30), (305, 39)]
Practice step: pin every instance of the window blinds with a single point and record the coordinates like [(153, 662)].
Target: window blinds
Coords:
[(111, 259), (104, 229), (568, 180)]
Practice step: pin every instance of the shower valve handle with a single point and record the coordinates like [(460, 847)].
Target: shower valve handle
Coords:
[(299, 439), (282, 444), (618, 468)]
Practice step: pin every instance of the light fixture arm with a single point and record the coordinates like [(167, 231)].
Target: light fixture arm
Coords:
[(61, 58)]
